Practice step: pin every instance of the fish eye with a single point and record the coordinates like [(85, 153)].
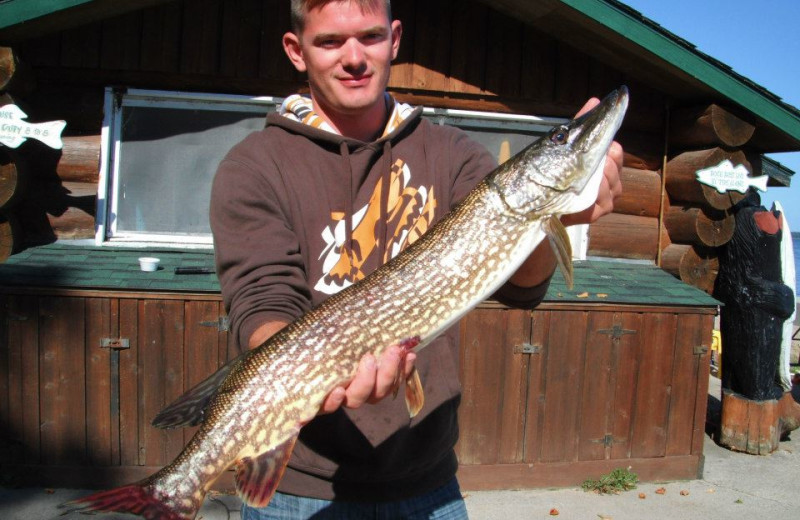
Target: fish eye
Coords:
[(560, 135)]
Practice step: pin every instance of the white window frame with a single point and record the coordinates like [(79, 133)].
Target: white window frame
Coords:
[(115, 99)]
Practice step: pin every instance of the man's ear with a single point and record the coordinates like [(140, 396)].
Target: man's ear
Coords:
[(397, 32), (291, 45)]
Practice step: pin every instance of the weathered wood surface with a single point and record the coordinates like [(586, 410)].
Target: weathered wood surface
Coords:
[(704, 126), (748, 425), (624, 236), (594, 394), (700, 226), (641, 193), (697, 266), (681, 177)]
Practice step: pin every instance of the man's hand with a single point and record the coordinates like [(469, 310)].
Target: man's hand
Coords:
[(610, 188), (374, 380)]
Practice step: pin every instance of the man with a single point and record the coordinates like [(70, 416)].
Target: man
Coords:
[(333, 187)]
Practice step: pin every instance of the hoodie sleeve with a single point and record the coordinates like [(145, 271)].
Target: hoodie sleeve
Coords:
[(476, 162), (258, 258)]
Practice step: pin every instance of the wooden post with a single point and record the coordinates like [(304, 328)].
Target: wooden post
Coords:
[(701, 226), (681, 177), (748, 425), (694, 265)]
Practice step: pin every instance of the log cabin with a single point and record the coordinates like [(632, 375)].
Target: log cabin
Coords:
[(611, 374)]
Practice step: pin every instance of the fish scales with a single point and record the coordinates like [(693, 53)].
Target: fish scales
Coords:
[(256, 413)]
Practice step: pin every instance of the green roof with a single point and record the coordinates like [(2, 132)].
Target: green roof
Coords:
[(73, 266), (107, 268)]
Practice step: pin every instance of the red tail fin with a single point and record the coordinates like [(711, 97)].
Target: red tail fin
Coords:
[(135, 498)]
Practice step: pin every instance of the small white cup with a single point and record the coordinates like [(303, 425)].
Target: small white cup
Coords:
[(148, 263)]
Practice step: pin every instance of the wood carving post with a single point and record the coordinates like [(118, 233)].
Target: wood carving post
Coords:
[(756, 303)]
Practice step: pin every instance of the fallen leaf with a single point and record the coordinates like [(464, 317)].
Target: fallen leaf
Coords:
[(554, 512), (661, 491), (684, 493), (602, 295), (711, 490), (642, 496), (605, 517), (583, 295)]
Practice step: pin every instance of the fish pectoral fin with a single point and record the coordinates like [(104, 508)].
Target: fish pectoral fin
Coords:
[(189, 409), (559, 240), (415, 397), (257, 477)]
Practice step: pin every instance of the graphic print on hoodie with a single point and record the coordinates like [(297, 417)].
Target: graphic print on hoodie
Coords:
[(410, 211)]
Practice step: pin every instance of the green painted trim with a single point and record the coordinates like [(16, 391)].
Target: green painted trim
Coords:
[(690, 62), (14, 12)]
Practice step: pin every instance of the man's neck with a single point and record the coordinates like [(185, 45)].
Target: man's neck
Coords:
[(366, 126)]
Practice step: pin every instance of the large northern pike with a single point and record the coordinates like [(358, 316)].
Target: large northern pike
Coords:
[(253, 408)]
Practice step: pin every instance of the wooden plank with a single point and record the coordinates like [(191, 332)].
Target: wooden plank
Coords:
[(491, 416), (504, 56), (701, 396), (432, 46), (98, 382), (598, 375), (562, 474), (129, 395), (684, 385), (120, 42), (539, 53), (537, 383), (161, 362), (653, 386), (201, 355), (80, 47), (241, 34), (62, 390), (114, 383), (274, 64), (160, 40), (469, 48), (626, 362), (9, 427), (403, 66), (565, 358), (200, 41)]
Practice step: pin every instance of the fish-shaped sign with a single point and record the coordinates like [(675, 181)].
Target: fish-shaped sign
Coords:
[(726, 177), (14, 131)]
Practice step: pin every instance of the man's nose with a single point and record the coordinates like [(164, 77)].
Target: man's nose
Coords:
[(353, 54)]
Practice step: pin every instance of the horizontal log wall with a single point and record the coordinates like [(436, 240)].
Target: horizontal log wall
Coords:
[(453, 54)]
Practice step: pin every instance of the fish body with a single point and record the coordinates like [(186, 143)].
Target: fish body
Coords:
[(14, 131), (253, 410), (726, 177)]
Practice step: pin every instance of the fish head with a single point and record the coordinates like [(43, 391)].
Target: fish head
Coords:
[(561, 172)]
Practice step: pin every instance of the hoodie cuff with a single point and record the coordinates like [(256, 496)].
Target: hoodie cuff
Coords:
[(522, 297)]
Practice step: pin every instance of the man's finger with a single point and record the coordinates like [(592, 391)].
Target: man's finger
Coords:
[(363, 384)]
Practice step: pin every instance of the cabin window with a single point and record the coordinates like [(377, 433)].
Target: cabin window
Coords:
[(161, 150)]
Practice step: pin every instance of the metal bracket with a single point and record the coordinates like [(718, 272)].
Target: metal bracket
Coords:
[(607, 440), (221, 324), (616, 332), (115, 343), (700, 350), (527, 348)]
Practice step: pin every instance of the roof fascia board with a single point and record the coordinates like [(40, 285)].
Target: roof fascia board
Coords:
[(681, 57), (22, 11)]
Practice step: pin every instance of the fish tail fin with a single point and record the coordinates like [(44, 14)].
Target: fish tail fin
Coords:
[(760, 183), (139, 499)]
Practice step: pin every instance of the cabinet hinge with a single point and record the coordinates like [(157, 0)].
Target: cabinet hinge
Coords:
[(527, 348), (115, 343), (221, 324), (607, 440), (700, 350), (616, 332)]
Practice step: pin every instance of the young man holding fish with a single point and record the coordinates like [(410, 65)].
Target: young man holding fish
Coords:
[(335, 186)]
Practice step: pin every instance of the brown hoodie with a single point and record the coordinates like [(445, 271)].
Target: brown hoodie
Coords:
[(299, 213)]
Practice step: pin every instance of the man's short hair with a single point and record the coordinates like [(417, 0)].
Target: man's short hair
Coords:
[(299, 8)]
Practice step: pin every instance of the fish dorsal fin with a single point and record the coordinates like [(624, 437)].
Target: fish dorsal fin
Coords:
[(189, 409), (562, 249), (257, 477), (415, 397)]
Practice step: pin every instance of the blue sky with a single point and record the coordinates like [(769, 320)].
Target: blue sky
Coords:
[(758, 39)]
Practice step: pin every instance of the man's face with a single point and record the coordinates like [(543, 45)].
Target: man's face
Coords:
[(347, 54)]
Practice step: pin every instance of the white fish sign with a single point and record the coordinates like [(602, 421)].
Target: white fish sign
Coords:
[(14, 131), (726, 177)]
